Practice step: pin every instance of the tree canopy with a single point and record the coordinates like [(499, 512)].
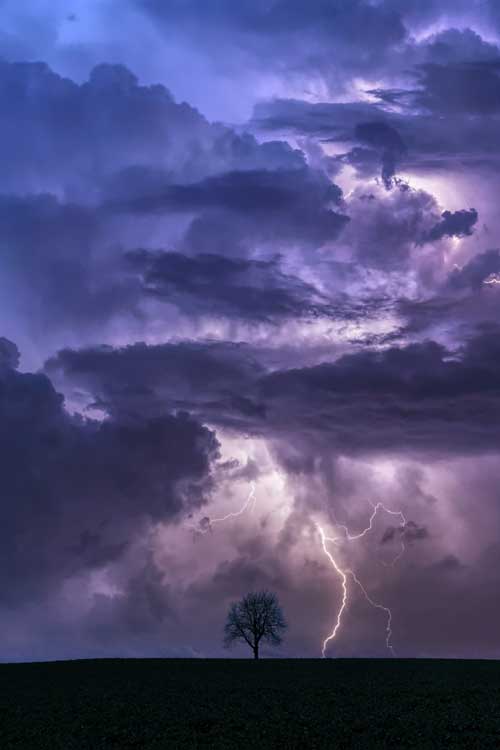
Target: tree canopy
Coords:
[(255, 618)]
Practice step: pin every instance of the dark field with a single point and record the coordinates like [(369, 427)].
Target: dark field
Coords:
[(156, 703)]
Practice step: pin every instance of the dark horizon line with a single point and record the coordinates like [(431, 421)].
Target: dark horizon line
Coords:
[(388, 659)]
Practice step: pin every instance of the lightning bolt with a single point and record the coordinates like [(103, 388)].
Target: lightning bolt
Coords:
[(344, 574), (493, 278), (379, 506), (207, 523)]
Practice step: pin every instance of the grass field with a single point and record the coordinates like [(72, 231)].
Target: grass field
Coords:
[(170, 703)]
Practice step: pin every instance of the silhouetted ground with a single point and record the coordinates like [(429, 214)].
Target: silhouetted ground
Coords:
[(169, 703)]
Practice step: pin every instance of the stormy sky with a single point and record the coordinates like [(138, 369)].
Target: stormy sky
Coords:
[(249, 307)]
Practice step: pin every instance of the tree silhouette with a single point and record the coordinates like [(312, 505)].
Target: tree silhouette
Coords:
[(255, 618)]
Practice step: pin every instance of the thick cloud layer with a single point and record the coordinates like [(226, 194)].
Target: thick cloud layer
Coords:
[(78, 492), (405, 405), (83, 190), (229, 337), (222, 286), (64, 142)]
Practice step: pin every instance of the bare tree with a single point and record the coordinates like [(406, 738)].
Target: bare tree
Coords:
[(255, 618)]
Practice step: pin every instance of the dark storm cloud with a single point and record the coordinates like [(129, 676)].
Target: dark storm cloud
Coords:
[(411, 397), (49, 265), (58, 136), (377, 144), (210, 378), (222, 286), (268, 31), (257, 192), (431, 142), (350, 33), (465, 132), (454, 224), (78, 492), (387, 139), (322, 119), (366, 161), (61, 252), (461, 88), (453, 71), (457, 45), (281, 203), (325, 17), (401, 399)]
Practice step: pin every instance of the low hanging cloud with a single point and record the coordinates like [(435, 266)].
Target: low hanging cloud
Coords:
[(407, 402), (78, 491), (209, 378), (404, 406)]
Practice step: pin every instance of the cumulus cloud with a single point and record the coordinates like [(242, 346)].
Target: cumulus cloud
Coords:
[(83, 191), (387, 226), (64, 144)]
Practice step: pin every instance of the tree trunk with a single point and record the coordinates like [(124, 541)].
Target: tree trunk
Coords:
[(256, 651)]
